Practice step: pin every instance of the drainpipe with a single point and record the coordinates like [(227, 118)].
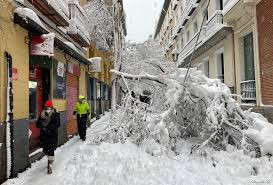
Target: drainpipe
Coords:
[(234, 63), (9, 117)]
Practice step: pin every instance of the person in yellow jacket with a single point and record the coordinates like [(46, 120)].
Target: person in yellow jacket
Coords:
[(82, 110)]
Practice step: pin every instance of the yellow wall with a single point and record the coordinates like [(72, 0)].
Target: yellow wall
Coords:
[(12, 40), (60, 56)]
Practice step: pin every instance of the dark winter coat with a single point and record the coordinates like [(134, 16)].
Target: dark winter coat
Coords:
[(49, 131)]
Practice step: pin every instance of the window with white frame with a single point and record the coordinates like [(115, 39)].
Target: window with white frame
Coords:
[(195, 28), (219, 4)]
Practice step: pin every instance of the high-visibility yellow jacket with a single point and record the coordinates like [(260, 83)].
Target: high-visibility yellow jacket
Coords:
[(82, 108)]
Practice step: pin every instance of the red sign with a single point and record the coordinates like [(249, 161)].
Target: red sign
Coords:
[(14, 73), (43, 45)]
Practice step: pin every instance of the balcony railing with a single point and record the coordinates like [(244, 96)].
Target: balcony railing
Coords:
[(248, 91), (214, 24), (56, 10), (78, 22)]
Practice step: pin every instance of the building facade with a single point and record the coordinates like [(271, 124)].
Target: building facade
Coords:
[(45, 53), (228, 40)]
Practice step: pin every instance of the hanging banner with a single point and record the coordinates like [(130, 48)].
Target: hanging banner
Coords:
[(43, 45), (95, 65), (60, 69)]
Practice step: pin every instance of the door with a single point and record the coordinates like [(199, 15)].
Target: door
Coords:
[(35, 105), (72, 85), (249, 57)]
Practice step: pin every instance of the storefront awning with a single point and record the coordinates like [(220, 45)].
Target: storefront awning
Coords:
[(37, 29)]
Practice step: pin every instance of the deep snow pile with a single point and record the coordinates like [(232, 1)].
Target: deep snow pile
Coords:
[(197, 107), (82, 163)]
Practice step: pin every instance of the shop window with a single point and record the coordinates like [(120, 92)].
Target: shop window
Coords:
[(33, 100), (59, 78), (98, 86)]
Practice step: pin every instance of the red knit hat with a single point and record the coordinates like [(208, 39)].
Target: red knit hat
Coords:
[(49, 104)]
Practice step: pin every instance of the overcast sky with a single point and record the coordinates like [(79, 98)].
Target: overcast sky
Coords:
[(141, 18)]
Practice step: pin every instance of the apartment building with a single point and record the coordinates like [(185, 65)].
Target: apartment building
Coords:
[(226, 39), (165, 28)]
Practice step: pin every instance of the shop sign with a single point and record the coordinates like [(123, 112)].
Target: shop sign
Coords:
[(14, 73), (60, 69), (95, 65), (74, 69), (43, 45)]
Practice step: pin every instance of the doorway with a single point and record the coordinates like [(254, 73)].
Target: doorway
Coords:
[(39, 93)]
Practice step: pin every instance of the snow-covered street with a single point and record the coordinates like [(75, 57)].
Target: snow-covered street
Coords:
[(83, 163)]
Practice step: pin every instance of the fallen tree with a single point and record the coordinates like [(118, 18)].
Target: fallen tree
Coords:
[(198, 107)]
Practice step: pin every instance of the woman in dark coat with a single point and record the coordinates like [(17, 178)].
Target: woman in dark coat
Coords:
[(49, 122)]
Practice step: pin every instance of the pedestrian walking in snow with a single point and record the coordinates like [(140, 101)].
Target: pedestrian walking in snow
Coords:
[(82, 110), (49, 122)]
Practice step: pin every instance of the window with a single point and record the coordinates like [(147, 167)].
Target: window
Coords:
[(182, 42), (220, 66), (249, 57), (206, 67), (206, 14), (195, 27), (98, 86), (219, 4), (188, 35)]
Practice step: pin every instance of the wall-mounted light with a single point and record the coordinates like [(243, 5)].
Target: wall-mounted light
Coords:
[(27, 40)]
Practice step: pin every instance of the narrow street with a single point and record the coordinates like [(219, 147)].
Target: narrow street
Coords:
[(136, 92), (84, 163)]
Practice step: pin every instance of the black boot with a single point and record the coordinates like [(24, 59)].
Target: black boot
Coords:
[(49, 167)]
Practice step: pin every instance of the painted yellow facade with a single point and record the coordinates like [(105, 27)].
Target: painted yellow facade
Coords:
[(14, 40)]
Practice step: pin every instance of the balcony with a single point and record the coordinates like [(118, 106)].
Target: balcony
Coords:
[(213, 32), (77, 27), (188, 11), (56, 10), (248, 91)]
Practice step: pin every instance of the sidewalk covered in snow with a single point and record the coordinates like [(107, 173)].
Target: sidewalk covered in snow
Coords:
[(83, 163)]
